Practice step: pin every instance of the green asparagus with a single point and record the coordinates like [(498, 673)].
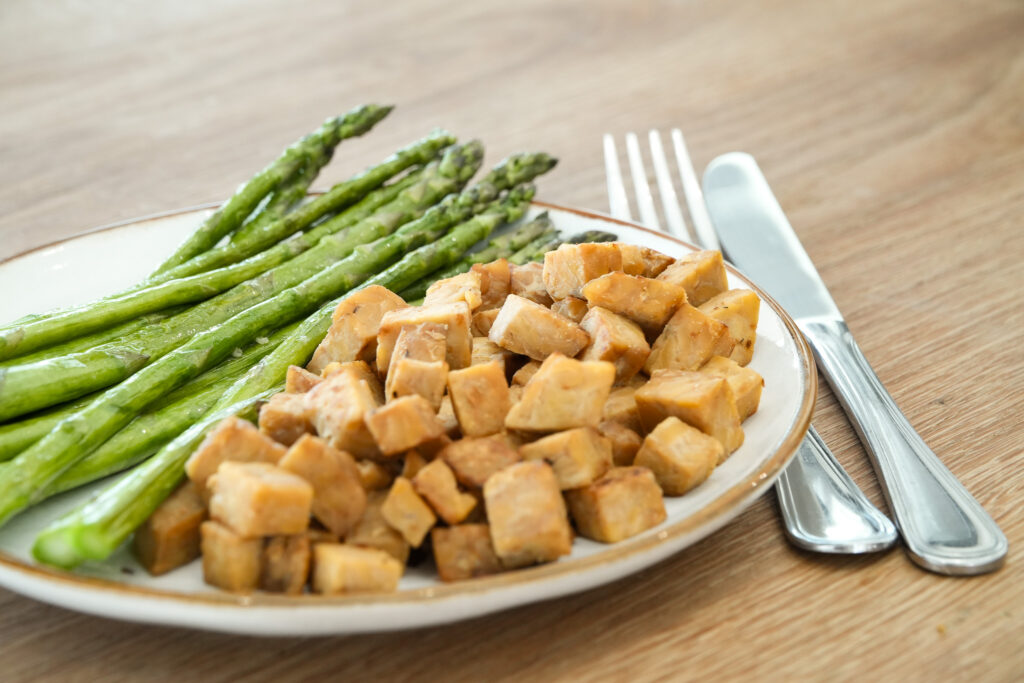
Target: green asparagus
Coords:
[(229, 217)]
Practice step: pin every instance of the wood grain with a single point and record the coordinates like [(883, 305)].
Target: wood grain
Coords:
[(891, 131)]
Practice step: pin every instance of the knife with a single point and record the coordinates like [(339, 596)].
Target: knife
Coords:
[(944, 528)]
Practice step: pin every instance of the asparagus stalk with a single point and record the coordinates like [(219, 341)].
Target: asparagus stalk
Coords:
[(542, 244), (502, 246), (592, 236), (95, 530), (24, 388), (230, 216)]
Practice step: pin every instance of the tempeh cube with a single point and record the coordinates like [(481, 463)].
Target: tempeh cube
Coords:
[(738, 310), (403, 424), (436, 483), (373, 531), (446, 414), (230, 561), (523, 375), (285, 564), (407, 513), (354, 327), (338, 494), (526, 511), (571, 266), (375, 476), (647, 302), (300, 380), (624, 441), (746, 384), (643, 260), (233, 439), (484, 320), (286, 417), (357, 370), (480, 398), (474, 460), (565, 393), (169, 538), (572, 308), (702, 274), (525, 327), (464, 552), (680, 456), (495, 280), (486, 351), (412, 463), (621, 407), (257, 499), (578, 456), (699, 399), (458, 339), (616, 339), (341, 403), (462, 287), (689, 339), (409, 377), (421, 341), (527, 281), (339, 569), (622, 503)]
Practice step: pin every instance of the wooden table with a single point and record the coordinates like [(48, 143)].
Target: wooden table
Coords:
[(891, 131)]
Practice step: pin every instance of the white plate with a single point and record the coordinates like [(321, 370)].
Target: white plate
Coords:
[(105, 260)]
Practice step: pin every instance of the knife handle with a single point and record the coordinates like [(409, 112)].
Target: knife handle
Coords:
[(945, 529)]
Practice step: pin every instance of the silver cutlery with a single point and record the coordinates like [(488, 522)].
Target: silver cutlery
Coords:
[(944, 528), (822, 508)]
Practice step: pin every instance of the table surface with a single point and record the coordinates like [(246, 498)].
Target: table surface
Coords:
[(892, 132)]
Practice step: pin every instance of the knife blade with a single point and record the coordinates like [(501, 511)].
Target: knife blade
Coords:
[(945, 529)]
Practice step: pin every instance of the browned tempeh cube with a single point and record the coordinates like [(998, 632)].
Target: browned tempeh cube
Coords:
[(338, 495), (480, 398), (339, 568), (616, 339), (571, 266), (644, 261), (464, 551), (300, 380), (373, 531), (285, 564), (524, 374), (572, 308), (621, 407), (462, 287), (410, 377), (357, 370), (286, 417), (486, 351), (412, 462), (169, 538), (578, 456), (529, 523), (484, 320), (701, 274), (474, 460), (232, 439), (624, 441), (403, 424), (527, 281), (525, 327), (647, 302), (494, 283), (446, 414), (436, 483), (622, 503), (738, 310), (340, 404), (746, 384), (230, 561), (421, 341), (455, 316), (680, 456), (565, 393), (407, 513), (699, 399), (375, 476), (356, 322), (687, 341), (257, 499)]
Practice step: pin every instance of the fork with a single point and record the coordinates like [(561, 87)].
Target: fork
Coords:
[(822, 508)]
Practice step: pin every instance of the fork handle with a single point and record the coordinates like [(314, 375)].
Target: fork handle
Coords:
[(945, 529)]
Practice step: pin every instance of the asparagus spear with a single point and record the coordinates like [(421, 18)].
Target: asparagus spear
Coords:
[(24, 388), (592, 236), (96, 529), (230, 216)]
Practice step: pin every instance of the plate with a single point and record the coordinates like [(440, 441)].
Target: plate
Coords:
[(105, 260)]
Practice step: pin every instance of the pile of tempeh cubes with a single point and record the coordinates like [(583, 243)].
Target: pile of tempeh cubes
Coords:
[(516, 404)]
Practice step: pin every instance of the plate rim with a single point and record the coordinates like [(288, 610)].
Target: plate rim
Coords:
[(715, 515)]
